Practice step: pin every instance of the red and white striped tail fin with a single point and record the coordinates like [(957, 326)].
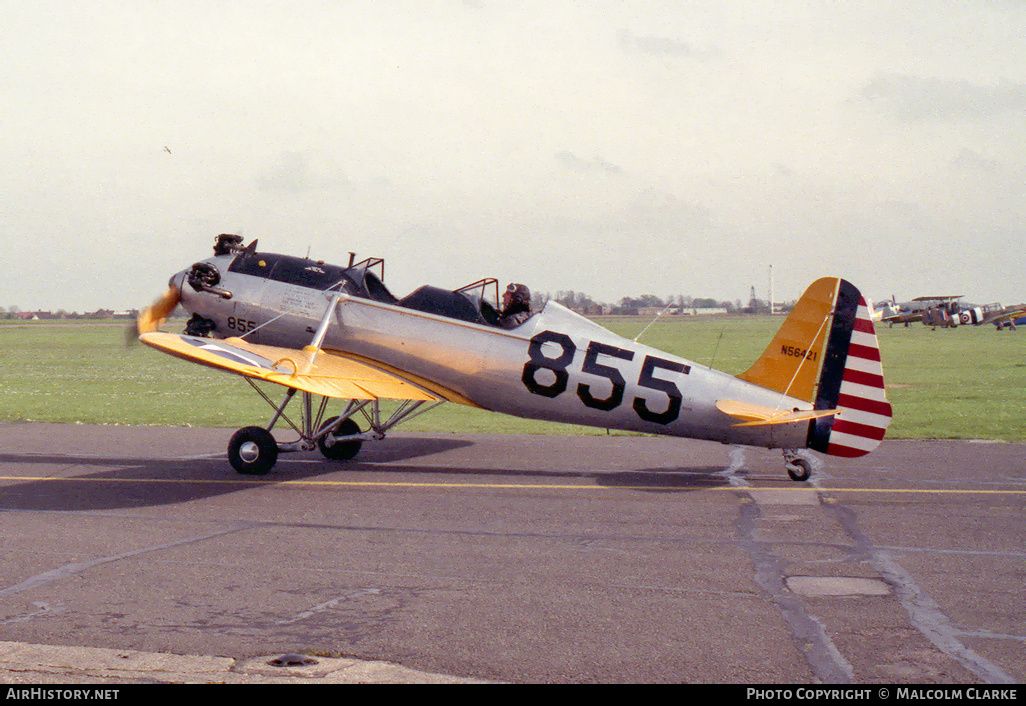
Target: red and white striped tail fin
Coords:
[(851, 381)]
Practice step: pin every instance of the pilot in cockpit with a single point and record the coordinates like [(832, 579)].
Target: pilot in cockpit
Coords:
[(516, 306)]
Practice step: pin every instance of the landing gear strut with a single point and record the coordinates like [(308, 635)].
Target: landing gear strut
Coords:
[(797, 467), (254, 450)]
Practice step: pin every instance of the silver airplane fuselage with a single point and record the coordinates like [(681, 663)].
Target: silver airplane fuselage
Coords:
[(557, 366)]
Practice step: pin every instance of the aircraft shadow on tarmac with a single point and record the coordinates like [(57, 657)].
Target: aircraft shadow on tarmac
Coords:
[(171, 481), (654, 479), (665, 481)]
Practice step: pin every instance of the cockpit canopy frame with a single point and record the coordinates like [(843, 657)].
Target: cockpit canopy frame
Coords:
[(472, 302)]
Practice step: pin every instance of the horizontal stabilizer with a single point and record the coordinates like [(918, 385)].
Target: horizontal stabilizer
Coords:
[(753, 415)]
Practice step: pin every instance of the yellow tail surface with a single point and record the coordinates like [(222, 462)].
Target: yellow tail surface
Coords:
[(793, 359)]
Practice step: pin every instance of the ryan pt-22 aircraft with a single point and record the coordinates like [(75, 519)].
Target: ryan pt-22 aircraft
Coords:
[(329, 331)]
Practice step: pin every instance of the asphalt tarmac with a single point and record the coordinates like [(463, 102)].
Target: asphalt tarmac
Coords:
[(137, 555)]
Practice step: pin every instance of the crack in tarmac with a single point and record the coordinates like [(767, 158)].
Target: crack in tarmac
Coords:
[(826, 661)]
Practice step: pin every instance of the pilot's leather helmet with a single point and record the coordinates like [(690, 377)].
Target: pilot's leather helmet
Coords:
[(519, 293)]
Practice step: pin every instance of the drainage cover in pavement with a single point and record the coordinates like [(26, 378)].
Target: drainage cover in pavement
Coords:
[(837, 586), (292, 660)]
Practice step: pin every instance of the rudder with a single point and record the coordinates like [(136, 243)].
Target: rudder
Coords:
[(826, 353), (851, 381)]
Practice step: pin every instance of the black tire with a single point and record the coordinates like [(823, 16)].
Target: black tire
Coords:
[(252, 451), (340, 450), (800, 470)]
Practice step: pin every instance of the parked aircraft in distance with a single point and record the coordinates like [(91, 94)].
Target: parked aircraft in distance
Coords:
[(1001, 316), (947, 312), (332, 331), (894, 313)]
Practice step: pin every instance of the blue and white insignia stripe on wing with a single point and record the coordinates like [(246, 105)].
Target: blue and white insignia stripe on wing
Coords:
[(236, 355)]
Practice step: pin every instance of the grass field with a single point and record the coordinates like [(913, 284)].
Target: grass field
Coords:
[(963, 383)]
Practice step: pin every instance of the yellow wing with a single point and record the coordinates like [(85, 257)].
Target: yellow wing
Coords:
[(309, 370)]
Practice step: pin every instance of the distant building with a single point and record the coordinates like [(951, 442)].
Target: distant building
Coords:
[(657, 310)]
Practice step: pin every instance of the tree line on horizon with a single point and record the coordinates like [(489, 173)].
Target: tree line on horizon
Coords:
[(577, 301), (631, 306)]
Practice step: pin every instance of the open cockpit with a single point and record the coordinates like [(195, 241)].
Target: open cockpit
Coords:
[(477, 302)]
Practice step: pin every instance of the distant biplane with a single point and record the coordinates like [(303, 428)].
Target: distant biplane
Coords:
[(330, 331), (947, 312)]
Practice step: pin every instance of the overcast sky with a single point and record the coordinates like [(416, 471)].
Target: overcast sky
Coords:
[(612, 147)]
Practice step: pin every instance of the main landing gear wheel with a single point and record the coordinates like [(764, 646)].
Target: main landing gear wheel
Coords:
[(340, 450), (252, 451)]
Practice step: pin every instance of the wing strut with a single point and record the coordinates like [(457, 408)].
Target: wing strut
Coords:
[(315, 345)]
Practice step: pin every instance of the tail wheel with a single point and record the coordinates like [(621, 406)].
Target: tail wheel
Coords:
[(252, 451), (799, 469), (340, 450)]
